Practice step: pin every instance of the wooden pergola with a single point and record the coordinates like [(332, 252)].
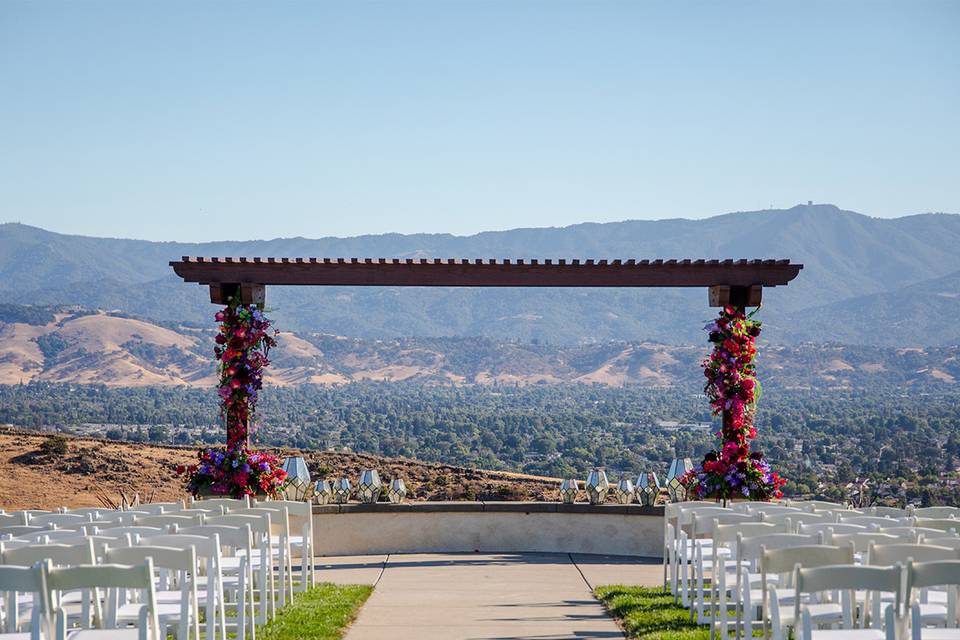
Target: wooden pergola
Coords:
[(737, 283)]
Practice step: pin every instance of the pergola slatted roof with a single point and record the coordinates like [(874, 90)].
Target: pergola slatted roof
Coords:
[(478, 272)]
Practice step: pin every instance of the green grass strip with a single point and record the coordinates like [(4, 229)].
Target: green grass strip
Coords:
[(322, 613), (649, 613)]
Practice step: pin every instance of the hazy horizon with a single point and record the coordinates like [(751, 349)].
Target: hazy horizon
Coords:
[(477, 233)]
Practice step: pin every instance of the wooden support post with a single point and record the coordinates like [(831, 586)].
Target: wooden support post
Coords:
[(250, 293), (725, 295)]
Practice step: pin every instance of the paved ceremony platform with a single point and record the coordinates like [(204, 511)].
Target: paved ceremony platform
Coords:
[(535, 596)]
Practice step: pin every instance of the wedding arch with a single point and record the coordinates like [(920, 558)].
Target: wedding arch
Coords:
[(731, 384)]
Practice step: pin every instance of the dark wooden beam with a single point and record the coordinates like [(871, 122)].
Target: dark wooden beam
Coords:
[(736, 296), (489, 273)]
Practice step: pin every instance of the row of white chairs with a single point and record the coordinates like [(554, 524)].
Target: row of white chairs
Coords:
[(712, 555), (245, 552)]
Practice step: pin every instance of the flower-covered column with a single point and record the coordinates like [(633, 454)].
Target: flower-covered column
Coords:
[(243, 343), (242, 347), (733, 471)]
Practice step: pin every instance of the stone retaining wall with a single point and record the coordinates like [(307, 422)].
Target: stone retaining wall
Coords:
[(433, 527)]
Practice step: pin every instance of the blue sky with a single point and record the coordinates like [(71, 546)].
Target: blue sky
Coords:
[(216, 120)]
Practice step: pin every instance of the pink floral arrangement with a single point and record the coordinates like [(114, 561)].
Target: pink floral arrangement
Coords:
[(243, 344), (733, 471), (234, 473)]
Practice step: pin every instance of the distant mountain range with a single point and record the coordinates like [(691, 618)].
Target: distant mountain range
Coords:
[(44, 345), (867, 281)]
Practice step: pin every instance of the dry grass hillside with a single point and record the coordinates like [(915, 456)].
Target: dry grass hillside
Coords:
[(89, 471), (105, 348)]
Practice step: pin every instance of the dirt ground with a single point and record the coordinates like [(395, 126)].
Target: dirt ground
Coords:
[(92, 472)]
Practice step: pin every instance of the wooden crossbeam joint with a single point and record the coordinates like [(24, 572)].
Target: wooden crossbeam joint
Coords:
[(250, 293), (737, 296)]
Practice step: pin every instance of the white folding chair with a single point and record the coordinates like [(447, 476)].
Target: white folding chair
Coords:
[(16, 582), (922, 576), (236, 544), (685, 546), (261, 560), (750, 583), (211, 598), (697, 554), (178, 570), (887, 555), (780, 564), (280, 545), (79, 552), (848, 580), (722, 589), (300, 513), (116, 580), (671, 539)]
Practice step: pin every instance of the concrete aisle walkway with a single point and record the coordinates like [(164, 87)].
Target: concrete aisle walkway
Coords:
[(485, 596)]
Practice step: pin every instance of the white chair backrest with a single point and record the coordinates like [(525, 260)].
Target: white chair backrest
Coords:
[(751, 548), (58, 554), (770, 509), (13, 519), (906, 530), (56, 535), (943, 524), (830, 528), (849, 579), (16, 580), (101, 542), (685, 517), (703, 524), (114, 578), (672, 510), (796, 518), (935, 512), (228, 504), (936, 573), (132, 533), (260, 523), (862, 541), (785, 559), (61, 519), (173, 558), (724, 534), (230, 536), (875, 521), (885, 555), (951, 542), (845, 513), (205, 546), (297, 509), (165, 520), (93, 512), (813, 505), (279, 517), (21, 530), (199, 508), (159, 508), (890, 512)]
